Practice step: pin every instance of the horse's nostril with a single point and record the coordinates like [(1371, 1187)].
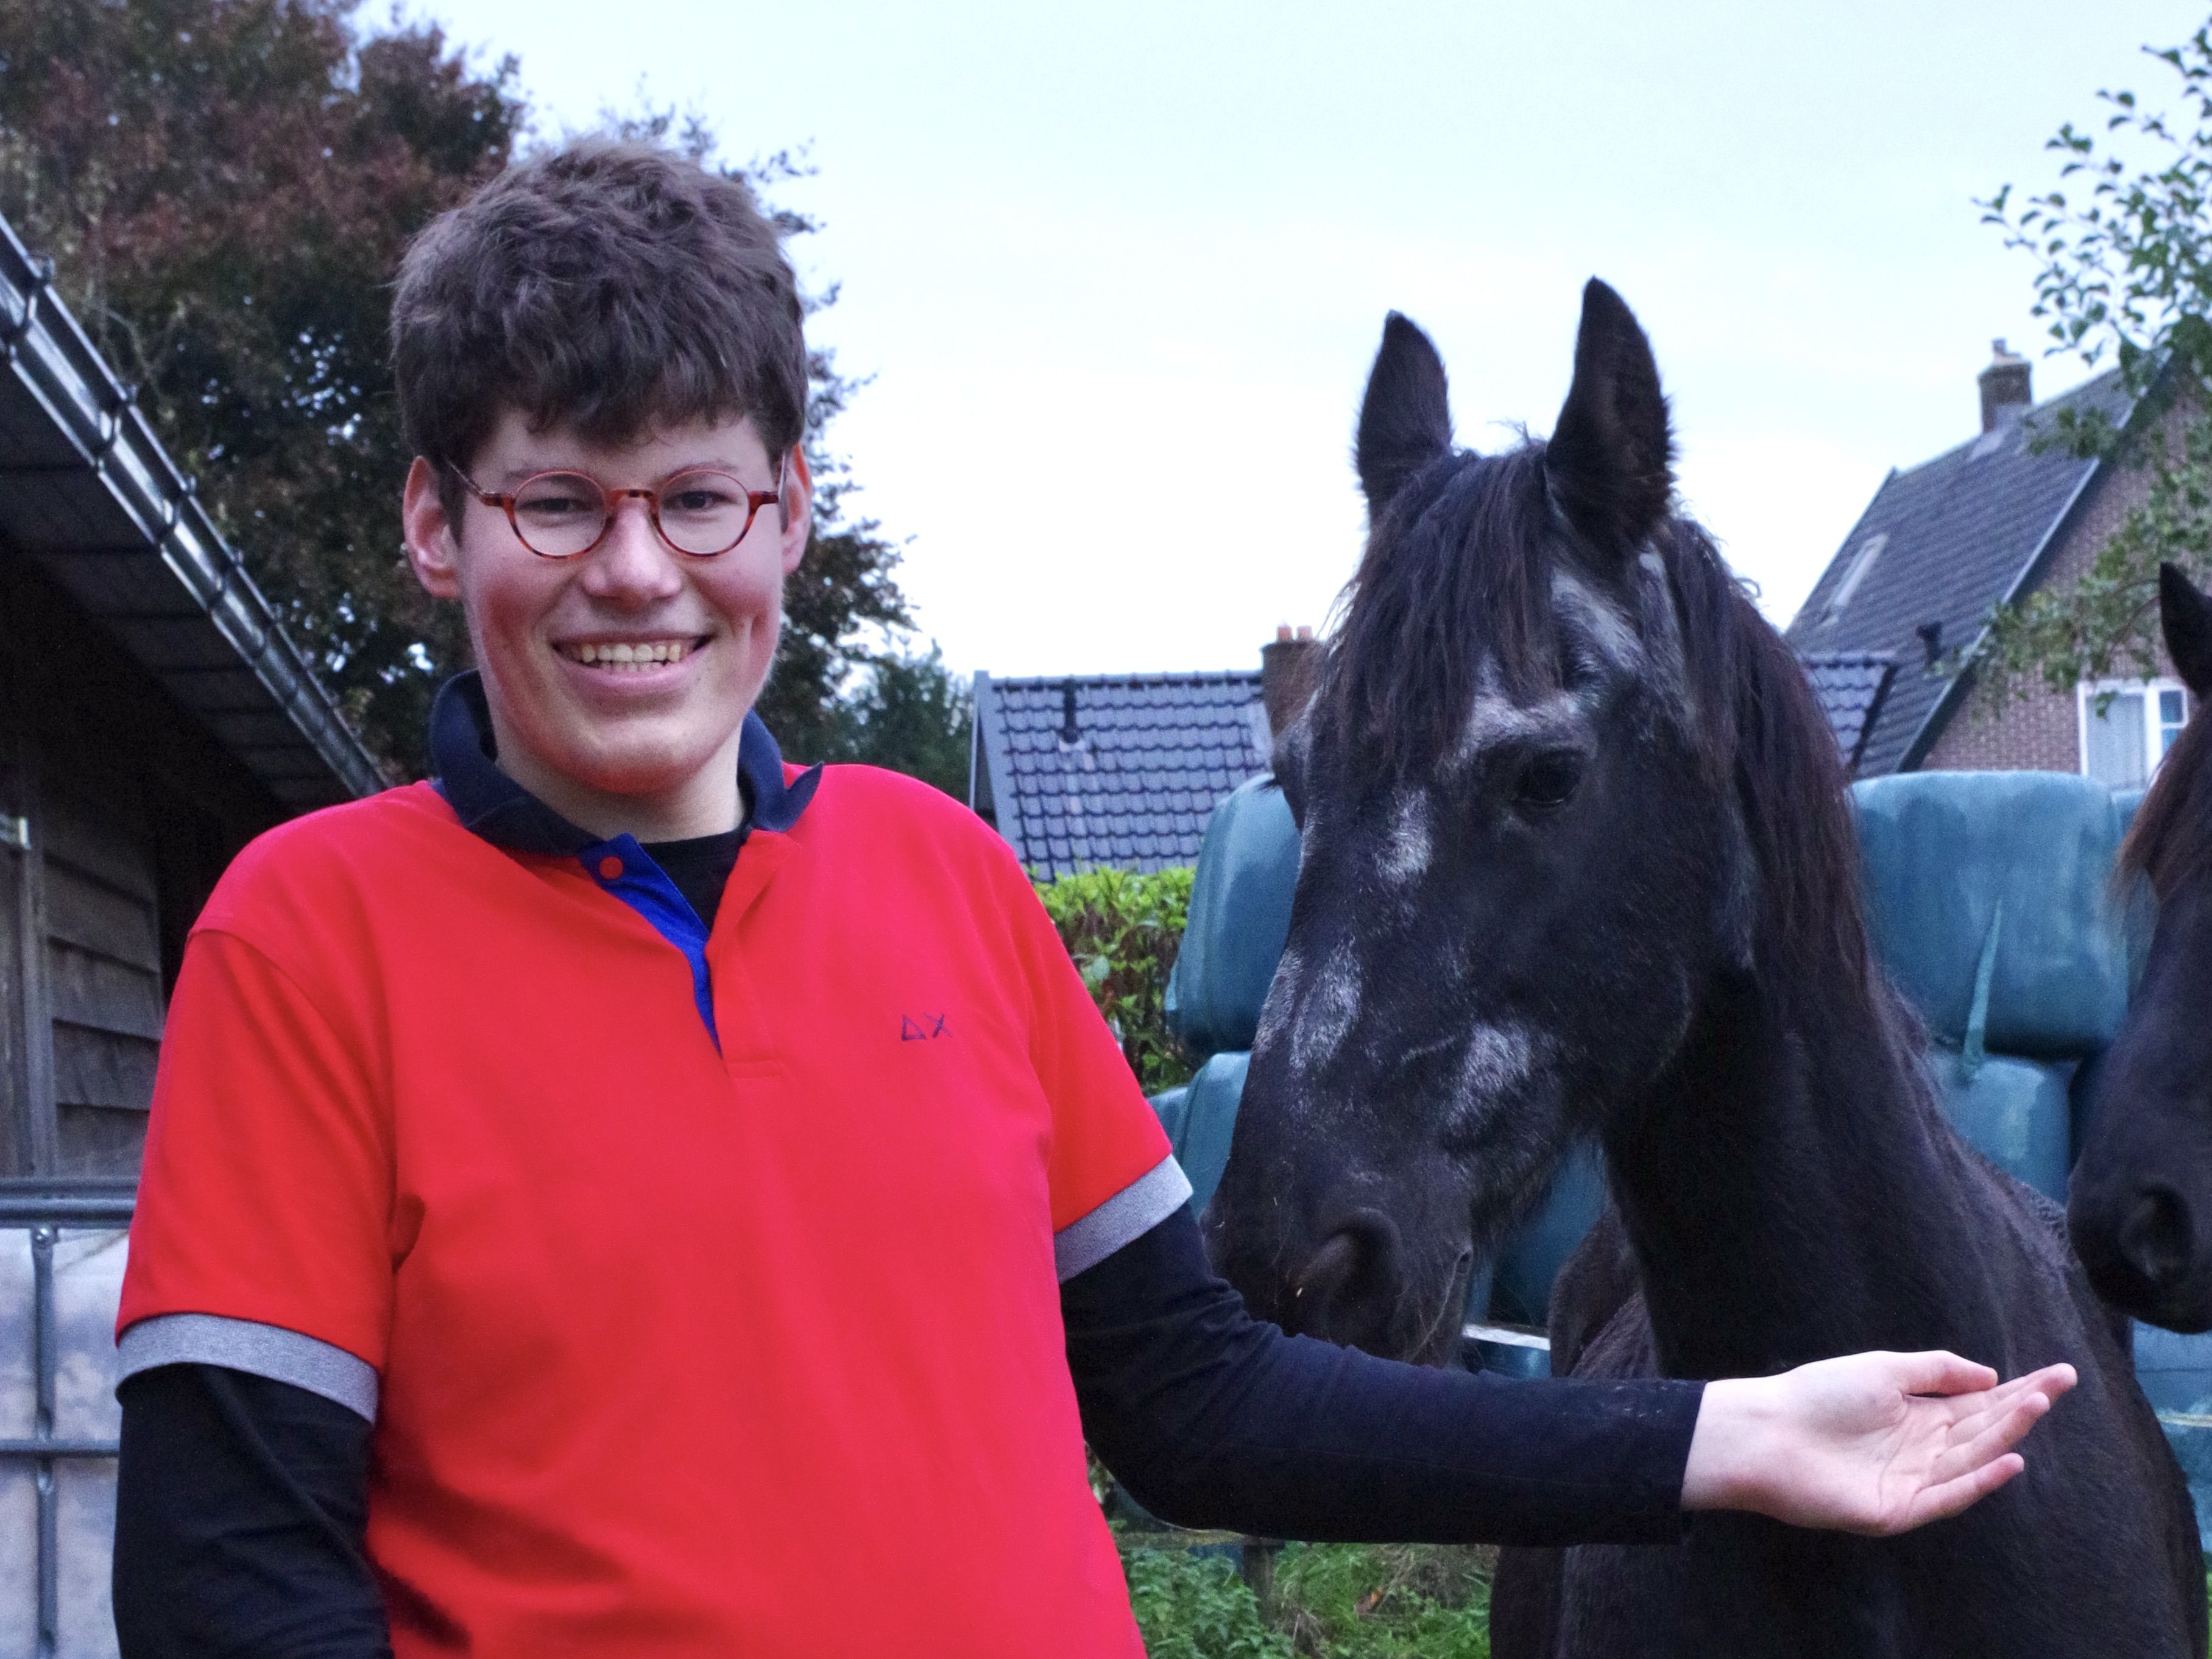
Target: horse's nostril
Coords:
[(1333, 1267), (1349, 1288), (2157, 1239)]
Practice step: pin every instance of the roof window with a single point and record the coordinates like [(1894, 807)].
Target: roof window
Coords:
[(1862, 562)]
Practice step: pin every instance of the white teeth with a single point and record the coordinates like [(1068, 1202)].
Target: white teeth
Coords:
[(645, 654)]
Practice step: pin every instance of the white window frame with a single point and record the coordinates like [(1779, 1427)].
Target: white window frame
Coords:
[(2087, 691)]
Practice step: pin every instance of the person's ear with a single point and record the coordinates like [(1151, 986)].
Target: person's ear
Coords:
[(797, 507), (432, 547)]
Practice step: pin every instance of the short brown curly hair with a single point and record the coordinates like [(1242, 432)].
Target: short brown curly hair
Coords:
[(609, 286)]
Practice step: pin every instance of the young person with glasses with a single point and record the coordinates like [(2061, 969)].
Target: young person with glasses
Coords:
[(632, 1194)]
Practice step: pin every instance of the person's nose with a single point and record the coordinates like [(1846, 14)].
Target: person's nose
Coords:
[(632, 566)]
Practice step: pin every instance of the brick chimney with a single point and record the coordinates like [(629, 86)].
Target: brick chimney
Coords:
[(1286, 675), (2006, 394)]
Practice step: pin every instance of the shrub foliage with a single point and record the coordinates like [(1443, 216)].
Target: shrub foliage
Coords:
[(1123, 929), (1331, 1601)]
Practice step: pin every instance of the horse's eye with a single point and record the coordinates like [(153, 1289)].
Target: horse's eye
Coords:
[(1547, 780)]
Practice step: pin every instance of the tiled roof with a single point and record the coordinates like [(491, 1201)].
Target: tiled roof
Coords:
[(1129, 780), (1937, 548), (1850, 685)]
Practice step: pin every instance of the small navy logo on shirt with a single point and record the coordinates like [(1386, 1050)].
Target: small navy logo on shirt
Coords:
[(925, 1029)]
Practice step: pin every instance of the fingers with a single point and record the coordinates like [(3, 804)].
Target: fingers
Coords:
[(1938, 1372), (1941, 1501), (1967, 1411), (2052, 1380), (2005, 1431)]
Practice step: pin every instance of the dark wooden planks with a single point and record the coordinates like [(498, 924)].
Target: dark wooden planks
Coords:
[(95, 1141), (109, 1069), (90, 914)]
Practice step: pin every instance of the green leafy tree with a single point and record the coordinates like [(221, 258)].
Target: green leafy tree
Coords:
[(2123, 246), (909, 713), (225, 188)]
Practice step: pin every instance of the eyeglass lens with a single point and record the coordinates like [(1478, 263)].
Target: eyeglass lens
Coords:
[(560, 514)]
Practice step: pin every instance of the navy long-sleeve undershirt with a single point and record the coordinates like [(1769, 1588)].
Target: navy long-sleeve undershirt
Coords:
[(242, 1502)]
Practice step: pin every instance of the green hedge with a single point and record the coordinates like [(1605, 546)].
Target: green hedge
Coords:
[(1123, 930)]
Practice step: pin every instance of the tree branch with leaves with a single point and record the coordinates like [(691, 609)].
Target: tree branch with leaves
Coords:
[(2124, 245), (226, 187)]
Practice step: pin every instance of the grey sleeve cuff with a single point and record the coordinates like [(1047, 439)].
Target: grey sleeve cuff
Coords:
[(269, 1350), (1131, 1213)]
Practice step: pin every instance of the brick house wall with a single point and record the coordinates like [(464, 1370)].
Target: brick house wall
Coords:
[(2041, 730)]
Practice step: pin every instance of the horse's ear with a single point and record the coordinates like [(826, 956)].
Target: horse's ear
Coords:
[(1610, 460), (2186, 615), (1404, 420)]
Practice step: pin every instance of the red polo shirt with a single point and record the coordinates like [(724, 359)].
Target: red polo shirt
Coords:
[(677, 1348)]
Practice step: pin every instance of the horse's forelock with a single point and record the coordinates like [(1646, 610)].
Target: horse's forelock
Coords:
[(1401, 675)]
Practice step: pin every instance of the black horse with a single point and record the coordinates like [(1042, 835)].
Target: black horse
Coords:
[(2140, 1205), (1575, 862)]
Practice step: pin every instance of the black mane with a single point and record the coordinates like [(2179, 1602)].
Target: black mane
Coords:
[(2171, 838)]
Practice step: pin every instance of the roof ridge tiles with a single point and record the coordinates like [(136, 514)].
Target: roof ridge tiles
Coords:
[(2096, 386)]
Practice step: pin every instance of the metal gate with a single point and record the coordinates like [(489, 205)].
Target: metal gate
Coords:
[(62, 1249)]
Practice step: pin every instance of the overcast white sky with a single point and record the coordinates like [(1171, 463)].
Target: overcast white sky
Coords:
[(1117, 270)]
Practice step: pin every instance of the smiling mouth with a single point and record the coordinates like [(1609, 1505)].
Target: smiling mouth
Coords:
[(630, 655)]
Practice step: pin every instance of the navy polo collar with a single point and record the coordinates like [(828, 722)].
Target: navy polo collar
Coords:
[(496, 807)]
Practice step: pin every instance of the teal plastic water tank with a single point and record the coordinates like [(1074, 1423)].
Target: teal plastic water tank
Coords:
[(1954, 859), (2015, 1113), (2175, 1375), (1532, 1258), (1208, 1119), (1240, 914)]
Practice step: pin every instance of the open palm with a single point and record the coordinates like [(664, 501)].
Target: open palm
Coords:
[(1871, 1442)]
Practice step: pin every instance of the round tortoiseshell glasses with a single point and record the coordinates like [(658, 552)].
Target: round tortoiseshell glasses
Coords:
[(701, 512)]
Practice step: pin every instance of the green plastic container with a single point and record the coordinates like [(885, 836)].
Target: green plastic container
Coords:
[(1208, 1119), (2016, 1113), (1521, 1287), (1949, 856), (1240, 916)]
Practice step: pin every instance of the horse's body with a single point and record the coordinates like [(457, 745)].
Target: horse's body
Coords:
[(1575, 862), (2140, 1199)]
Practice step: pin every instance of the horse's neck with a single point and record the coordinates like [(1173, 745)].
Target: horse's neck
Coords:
[(1789, 1195)]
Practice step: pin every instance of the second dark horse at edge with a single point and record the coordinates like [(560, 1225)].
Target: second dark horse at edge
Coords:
[(1575, 863)]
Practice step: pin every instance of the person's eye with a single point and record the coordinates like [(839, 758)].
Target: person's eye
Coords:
[(698, 496), (557, 498)]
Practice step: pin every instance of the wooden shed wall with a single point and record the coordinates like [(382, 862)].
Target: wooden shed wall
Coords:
[(131, 810)]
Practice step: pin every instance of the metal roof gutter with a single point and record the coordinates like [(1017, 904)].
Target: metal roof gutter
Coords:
[(86, 489)]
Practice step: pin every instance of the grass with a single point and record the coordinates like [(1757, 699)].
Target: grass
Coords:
[(1330, 1601)]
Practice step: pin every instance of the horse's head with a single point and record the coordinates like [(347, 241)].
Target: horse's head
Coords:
[(1522, 858), (2140, 1205)]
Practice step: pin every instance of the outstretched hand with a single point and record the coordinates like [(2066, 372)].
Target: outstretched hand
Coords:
[(1872, 1443)]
